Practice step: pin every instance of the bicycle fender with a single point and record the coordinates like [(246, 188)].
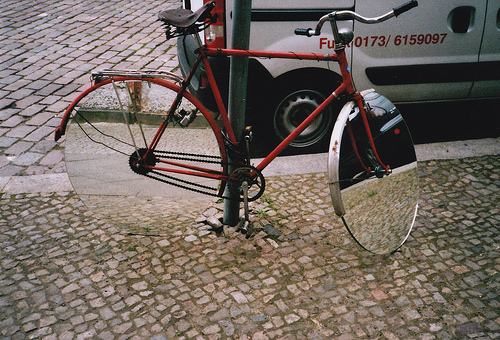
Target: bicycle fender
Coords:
[(333, 168), (334, 158), (61, 128)]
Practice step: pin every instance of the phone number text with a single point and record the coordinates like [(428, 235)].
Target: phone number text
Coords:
[(399, 40)]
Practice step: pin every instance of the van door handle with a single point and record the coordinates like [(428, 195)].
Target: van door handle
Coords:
[(461, 19)]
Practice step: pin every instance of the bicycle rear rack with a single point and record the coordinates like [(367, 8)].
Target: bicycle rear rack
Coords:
[(141, 74)]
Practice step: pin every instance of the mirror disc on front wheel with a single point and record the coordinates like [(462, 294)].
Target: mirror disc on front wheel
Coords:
[(107, 128), (377, 208)]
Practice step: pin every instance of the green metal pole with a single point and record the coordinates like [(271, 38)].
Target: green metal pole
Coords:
[(237, 97)]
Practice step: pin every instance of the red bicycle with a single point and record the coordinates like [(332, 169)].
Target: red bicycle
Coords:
[(143, 116)]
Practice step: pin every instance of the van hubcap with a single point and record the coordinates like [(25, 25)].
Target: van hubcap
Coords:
[(293, 110)]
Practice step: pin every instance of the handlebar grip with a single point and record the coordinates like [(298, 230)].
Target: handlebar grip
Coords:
[(406, 7), (303, 31)]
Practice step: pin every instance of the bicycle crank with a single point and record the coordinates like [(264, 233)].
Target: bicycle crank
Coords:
[(254, 178)]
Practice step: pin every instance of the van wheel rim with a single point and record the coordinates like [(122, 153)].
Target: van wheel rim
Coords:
[(293, 110)]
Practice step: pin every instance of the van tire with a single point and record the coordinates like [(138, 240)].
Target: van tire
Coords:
[(297, 96), (295, 106)]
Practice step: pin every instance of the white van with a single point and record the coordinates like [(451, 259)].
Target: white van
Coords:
[(441, 50)]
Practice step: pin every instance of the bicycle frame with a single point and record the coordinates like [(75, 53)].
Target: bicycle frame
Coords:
[(174, 151), (345, 88)]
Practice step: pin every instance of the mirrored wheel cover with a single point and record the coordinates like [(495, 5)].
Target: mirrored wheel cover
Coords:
[(379, 213), (107, 135)]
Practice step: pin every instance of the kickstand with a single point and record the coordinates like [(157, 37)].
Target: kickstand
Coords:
[(244, 225)]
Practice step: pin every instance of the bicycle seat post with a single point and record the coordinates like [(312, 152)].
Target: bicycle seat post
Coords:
[(198, 40)]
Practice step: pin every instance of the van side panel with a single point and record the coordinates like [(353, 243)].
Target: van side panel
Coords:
[(421, 54), (489, 56), (273, 25), (301, 4)]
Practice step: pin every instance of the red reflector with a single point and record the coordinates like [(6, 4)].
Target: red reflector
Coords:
[(215, 33), (397, 131), (203, 81)]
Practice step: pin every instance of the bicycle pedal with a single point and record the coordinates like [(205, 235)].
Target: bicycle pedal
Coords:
[(184, 118)]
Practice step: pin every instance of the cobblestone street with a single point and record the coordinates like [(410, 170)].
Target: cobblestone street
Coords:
[(154, 269), (47, 51), (67, 273)]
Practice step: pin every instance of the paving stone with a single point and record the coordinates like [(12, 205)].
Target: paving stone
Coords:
[(57, 107), (6, 102), (47, 321), (38, 84), (239, 297), (53, 122), (4, 161), (18, 148), (39, 134), (20, 131), (35, 184), (10, 170), (122, 328), (40, 118), (31, 110), (27, 158), (20, 94), (291, 318), (48, 100), (5, 142), (7, 113), (28, 101), (212, 329), (190, 238), (49, 89), (228, 327), (12, 122), (35, 170), (70, 288), (53, 157), (140, 285), (106, 313)]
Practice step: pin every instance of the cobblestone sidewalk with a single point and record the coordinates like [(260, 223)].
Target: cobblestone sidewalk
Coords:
[(66, 273), (73, 271), (48, 49)]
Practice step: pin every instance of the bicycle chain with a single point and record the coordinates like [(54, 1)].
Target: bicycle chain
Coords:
[(165, 154), (184, 186), (177, 154)]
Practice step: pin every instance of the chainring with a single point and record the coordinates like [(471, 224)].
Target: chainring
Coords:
[(254, 178), (138, 164)]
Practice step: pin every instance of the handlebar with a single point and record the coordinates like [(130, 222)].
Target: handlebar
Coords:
[(303, 31), (405, 7), (350, 15)]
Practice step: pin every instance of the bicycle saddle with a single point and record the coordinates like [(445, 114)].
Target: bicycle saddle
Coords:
[(185, 18)]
